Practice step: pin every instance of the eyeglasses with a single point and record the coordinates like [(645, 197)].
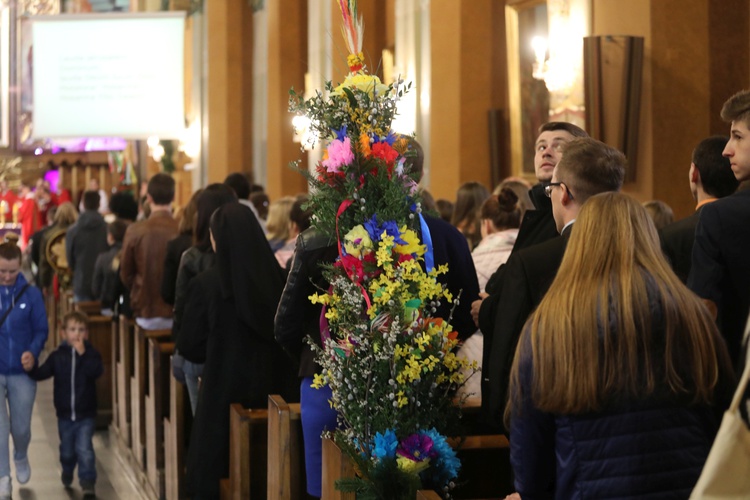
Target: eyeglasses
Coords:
[(548, 189)]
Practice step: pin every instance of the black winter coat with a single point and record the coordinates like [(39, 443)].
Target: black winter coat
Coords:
[(75, 380)]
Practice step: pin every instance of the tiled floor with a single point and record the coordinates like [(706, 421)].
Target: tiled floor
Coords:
[(114, 480)]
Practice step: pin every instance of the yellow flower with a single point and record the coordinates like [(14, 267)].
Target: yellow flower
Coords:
[(320, 298), (357, 241), (332, 314), (412, 246), (364, 82), (412, 467), (318, 381)]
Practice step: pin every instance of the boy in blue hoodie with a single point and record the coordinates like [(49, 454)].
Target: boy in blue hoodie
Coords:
[(76, 365)]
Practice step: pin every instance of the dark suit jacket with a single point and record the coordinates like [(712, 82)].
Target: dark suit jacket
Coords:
[(527, 277), (677, 243), (721, 264), (450, 247), (537, 227)]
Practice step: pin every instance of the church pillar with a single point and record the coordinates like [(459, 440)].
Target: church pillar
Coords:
[(229, 62), (287, 63), (461, 94)]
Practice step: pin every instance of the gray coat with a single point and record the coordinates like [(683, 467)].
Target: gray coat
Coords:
[(84, 241)]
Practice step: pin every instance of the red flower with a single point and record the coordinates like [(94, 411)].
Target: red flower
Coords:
[(404, 257), (385, 152), (330, 178), (353, 268)]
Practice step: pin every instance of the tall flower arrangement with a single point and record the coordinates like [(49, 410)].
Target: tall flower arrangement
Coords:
[(390, 363)]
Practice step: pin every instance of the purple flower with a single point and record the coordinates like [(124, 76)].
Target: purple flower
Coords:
[(390, 227), (417, 447)]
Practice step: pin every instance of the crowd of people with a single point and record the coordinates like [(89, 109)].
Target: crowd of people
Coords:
[(598, 323)]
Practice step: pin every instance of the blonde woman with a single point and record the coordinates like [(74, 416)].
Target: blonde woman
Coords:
[(620, 376), (277, 224)]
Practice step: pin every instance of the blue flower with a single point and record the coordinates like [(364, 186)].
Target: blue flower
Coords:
[(445, 465), (371, 226), (384, 445), (390, 138), (341, 133), (376, 231), (391, 229)]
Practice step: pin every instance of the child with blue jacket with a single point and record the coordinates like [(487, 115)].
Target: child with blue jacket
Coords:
[(75, 365)]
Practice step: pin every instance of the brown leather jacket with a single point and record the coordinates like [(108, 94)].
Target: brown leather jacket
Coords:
[(142, 263)]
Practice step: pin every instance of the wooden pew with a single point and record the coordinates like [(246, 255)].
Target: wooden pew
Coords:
[(336, 465), (485, 468), (138, 388), (175, 433), (90, 307), (114, 426), (51, 306), (248, 453), (286, 471), (124, 364), (157, 407), (428, 495), (100, 336)]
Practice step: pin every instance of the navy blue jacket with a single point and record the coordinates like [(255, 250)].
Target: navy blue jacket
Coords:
[(75, 380), (634, 448), (25, 328)]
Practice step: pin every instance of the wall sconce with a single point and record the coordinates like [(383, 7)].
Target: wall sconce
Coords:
[(155, 149), (190, 142), (558, 73)]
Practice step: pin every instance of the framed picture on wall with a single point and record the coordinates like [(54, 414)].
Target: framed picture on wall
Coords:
[(526, 22), (545, 70)]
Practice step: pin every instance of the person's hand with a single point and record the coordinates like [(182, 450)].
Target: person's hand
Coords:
[(78, 345), (513, 496), (476, 305), (27, 361)]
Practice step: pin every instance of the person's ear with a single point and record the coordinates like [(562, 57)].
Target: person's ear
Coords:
[(565, 198), (695, 175)]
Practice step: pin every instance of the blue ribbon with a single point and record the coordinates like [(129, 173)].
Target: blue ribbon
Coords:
[(429, 258)]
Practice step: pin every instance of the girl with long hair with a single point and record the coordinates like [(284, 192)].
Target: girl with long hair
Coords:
[(620, 376)]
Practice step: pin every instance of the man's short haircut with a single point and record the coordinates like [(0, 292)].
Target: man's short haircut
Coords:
[(161, 189), (240, 184), (117, 229), (737, 108), (715, 170), (590, 167), (76, 317), (573, 130), (91, 200), (124, 206)]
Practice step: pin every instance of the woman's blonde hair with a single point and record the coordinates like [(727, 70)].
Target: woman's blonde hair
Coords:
[(66, 215), (277, 225), (616, 320)]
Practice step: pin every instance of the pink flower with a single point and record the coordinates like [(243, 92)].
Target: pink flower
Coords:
[(340, 154)]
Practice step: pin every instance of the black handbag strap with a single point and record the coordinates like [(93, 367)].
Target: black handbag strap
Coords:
[(13, 304)]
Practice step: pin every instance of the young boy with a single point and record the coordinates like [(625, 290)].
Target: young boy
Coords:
[(76, 365)]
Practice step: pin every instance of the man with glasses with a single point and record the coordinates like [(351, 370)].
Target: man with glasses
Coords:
[(588, 167), (537, 225)]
